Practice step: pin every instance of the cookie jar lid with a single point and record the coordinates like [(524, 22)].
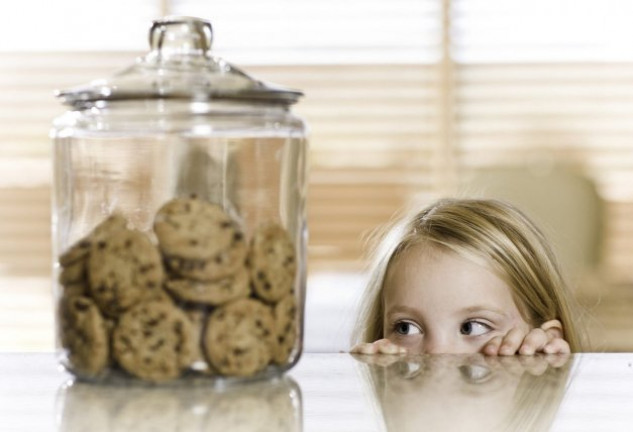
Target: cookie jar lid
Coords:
[(180, 66)]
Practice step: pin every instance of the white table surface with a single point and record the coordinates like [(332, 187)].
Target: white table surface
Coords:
[(333, 392)]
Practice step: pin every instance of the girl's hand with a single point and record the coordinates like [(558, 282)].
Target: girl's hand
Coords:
[(381, 346), (546, 339)]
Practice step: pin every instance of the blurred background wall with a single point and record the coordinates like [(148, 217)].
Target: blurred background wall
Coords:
[(407, 101)]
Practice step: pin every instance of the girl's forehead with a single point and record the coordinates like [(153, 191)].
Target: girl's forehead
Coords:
[(427, 274), (425, 261)]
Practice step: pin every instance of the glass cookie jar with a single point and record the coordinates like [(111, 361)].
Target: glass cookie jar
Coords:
[(179, 227)]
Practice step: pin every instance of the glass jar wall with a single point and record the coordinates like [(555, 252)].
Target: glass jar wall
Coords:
[(179, 225)]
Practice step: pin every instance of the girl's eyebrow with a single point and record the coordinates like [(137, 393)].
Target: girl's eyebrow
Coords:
[(402, 309), (484, 308)]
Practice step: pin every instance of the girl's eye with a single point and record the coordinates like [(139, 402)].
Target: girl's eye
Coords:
[(474, 328), (406, 328)]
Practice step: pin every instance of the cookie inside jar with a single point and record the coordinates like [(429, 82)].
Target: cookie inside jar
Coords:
[(194, 298)]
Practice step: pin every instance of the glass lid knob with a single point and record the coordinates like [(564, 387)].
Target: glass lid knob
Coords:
[(180, 36)]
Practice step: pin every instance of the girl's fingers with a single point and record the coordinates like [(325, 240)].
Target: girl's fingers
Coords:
[(492, 346), (385, 346), (557, 346), (554, 328), (381, 346), (534, 342), (511, 342)]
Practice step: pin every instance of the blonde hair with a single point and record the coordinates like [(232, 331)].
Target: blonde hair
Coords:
[(479, 229)]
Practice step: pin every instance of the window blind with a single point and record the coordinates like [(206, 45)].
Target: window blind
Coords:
[(370, 81), (401, 97), (373, 145), (330, 32), (369, 70), (550, 82), (27, 108)]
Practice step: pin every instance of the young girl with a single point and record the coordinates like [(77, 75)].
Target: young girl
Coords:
[(466, 276)]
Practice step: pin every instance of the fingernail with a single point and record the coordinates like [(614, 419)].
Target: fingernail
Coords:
[(505, 350)]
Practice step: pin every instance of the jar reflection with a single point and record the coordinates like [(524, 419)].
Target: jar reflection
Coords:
[(273, 405), (474, 392)]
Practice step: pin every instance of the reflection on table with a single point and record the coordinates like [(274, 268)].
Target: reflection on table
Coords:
[(261, 406), (338, 393), (474, 393)]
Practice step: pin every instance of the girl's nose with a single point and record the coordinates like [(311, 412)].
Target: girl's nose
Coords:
[(440, 344)]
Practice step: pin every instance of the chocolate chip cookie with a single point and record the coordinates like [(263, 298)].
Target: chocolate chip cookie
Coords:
[(286, 328), (239, 339), (81, 249), (123, 269), (215, 292), (272, 263), (198, 239), (154, 341), (84, 335)]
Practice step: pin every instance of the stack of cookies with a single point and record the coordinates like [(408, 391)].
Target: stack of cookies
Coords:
[(202, 299)]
